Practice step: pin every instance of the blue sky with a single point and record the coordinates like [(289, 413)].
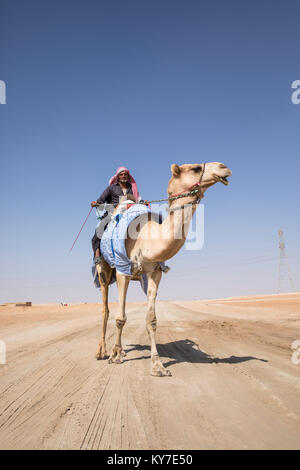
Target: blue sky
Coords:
[(92, 85)]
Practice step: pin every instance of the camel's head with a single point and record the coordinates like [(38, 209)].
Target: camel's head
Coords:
[(187, 176)]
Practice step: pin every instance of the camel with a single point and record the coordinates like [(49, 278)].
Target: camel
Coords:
[(156, 242)]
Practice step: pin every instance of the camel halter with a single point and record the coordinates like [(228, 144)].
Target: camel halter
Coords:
[(195, 189)]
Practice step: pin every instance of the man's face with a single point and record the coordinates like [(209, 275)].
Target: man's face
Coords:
[(123, 177)]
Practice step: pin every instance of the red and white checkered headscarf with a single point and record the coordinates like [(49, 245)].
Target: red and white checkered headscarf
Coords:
[(114, 179)]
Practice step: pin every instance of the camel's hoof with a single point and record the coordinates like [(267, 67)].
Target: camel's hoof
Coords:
[(160, 371), (117, 355), (117, 360), (101, 356), (101, 353)]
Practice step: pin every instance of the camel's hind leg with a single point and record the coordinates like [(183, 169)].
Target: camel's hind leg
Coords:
[(104, 274), (117, 351), (157, 368)]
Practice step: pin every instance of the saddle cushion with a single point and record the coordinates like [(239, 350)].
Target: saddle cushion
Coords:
[(112, 245)]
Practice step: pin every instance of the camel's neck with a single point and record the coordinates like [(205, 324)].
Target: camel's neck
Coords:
[(174, 230), (160, 242)]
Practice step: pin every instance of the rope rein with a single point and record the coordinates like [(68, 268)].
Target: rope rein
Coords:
[(171, 198), (193, 191)]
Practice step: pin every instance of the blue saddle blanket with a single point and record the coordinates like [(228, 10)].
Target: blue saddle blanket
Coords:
[(112, 245)]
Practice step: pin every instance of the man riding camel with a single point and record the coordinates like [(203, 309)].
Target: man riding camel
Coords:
[(120, 185)]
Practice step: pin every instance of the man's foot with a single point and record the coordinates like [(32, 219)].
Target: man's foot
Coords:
[(97, 259), (97, 256)]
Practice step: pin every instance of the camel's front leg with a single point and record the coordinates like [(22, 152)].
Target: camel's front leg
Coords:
[(117, 351), (104, 279), (157, 368)]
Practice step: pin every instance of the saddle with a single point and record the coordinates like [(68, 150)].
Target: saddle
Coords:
[(112, 245)]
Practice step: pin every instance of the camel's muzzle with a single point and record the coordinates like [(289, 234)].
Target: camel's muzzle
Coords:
[(222, 179)]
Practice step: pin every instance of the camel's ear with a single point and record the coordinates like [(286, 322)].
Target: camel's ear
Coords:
[(175, 170)]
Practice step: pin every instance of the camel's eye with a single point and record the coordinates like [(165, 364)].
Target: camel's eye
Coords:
[(197, 169)]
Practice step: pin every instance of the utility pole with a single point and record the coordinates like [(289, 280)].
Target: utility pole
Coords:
[(284, 268)]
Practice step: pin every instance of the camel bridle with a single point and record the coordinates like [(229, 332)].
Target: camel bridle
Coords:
[(194, 190)]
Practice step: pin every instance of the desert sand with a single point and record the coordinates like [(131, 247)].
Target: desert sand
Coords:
[(233, 384)]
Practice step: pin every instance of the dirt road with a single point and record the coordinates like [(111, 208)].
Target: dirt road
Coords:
[(233, 383)]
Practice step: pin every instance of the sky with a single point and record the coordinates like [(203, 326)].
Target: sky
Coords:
[(92, 85)]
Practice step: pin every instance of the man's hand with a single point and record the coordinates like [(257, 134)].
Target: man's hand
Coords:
[(145, 201), (94, 204)]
